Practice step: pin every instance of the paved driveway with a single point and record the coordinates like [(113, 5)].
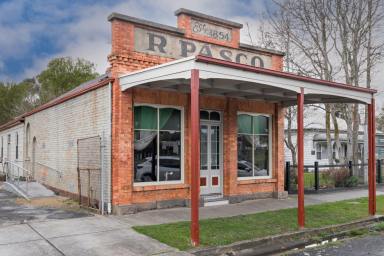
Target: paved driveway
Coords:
[(30, 230)]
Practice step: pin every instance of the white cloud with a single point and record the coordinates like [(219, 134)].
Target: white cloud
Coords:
[(88, 36)]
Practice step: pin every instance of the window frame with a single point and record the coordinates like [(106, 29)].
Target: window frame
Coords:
[(182, 138), (318, 144), (270, 147)]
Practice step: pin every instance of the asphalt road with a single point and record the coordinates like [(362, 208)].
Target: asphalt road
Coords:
[(372, 245)]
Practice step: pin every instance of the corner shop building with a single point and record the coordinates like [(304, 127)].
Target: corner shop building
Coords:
[(192, 116)]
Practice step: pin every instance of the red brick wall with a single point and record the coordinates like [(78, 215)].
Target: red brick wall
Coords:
[(122, 60)]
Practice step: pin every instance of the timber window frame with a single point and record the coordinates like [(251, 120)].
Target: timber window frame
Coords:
[(158, 108), (253, 135)]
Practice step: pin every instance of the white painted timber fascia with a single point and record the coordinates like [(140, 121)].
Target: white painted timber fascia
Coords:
[(181, 69)]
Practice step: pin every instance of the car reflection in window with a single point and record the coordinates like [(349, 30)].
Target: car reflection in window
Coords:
[(169, 169), (245, 169)]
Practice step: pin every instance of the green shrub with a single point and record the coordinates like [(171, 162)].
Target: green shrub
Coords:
[(336, 177), (352, 181)]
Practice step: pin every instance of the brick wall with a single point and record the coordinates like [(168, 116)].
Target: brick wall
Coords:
[(123, 59), (9, 150), (184, 22), (125, 193), (57, 130)]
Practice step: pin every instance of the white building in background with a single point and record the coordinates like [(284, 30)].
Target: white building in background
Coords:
[(315, 141)]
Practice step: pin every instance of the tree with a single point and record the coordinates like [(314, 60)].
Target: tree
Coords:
[(31, 96), (62, 75), (358, 43), (290, 116), (380, 121), (11, 97), (333, 39)]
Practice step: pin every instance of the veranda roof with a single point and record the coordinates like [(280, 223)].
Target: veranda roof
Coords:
[(225, 78)]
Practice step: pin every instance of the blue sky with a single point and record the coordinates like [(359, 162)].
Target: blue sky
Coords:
[(34, 32)]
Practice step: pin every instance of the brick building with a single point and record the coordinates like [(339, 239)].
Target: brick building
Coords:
[(185, 112)]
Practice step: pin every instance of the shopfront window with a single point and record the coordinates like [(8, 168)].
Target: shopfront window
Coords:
[(253, 145), (158, 144)]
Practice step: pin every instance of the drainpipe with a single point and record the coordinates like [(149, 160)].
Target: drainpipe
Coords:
[(109, 135)]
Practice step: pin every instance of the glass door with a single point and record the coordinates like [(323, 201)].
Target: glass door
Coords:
[(210, 158)]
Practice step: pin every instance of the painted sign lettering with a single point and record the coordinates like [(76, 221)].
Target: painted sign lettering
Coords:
[(170, 46), (210, 30)]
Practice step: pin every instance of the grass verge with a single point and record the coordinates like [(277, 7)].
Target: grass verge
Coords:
[(222, 231)]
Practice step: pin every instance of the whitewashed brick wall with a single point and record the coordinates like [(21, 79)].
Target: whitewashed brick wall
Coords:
[(9, 150), (58, 128)]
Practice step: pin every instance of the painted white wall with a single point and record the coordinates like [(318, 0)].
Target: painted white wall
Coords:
[(58, 128), (309, 159), (9, 149)]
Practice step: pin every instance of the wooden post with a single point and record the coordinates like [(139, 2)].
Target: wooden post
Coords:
[(300, 159), (195, 157), (371, 158)]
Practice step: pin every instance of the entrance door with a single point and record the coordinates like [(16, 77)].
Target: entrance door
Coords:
[(210, 158)]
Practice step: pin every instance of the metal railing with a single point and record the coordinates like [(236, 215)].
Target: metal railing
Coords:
[(320, 177), (43, 173), (15, 174)]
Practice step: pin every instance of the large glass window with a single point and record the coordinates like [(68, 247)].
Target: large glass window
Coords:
[(253, 133), (157, 144)]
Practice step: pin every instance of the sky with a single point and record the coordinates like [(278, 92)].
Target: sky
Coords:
[(34, 32)]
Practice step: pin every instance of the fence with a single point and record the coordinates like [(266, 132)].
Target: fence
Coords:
[(89, 172), (322, 177)]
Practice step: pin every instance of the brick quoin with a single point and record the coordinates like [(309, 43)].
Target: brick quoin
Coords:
[(124, 59)]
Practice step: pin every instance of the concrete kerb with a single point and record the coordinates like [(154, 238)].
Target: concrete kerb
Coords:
[(279, 243)]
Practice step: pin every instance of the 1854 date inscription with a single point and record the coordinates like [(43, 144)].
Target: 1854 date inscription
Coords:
[(210, 30)]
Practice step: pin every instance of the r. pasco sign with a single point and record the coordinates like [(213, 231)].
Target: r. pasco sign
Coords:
[(166, 45)]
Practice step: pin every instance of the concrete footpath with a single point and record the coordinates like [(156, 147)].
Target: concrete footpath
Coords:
[(30, 230), (95, 235), (247, 207)]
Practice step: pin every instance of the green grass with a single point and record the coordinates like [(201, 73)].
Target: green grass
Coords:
[(309, 180), (223, 231)]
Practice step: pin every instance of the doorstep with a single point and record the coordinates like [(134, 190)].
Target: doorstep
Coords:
[(214, 200)]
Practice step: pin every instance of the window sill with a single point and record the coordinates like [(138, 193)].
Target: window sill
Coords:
[(256, 181), (139, 187)]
